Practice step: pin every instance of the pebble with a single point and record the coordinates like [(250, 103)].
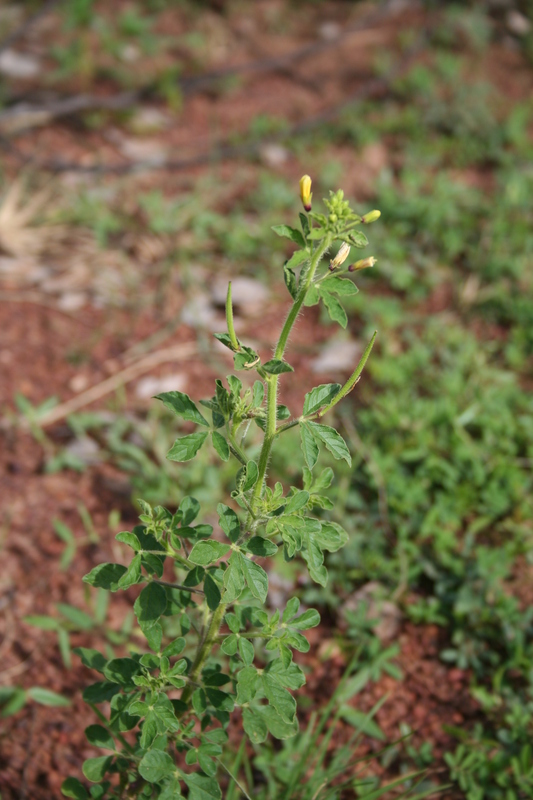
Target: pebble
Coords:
[(518, 24), (248, 295), (338, 355), (19, 65), (150, 386)]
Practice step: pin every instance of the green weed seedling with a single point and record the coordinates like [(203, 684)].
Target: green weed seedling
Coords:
[(169, 707)]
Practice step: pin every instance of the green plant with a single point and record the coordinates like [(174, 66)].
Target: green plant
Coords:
[(172, 694)]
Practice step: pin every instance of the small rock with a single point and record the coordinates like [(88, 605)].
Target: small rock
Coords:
[(329, 31), (200, 313), (78, 383), (150, 386), (19, 65), (339, 355), (85, 450), (148, 120), (71, 301), (274, 155), (248, 295), (518, 24), (143, 150), (378, 608)]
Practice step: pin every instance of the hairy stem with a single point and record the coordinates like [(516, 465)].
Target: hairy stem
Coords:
[(204, 651), (272, 380)]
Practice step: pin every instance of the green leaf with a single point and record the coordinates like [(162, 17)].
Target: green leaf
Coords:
[(204, 553), (202, 787), (105, 576), (332, 536), (95, 769), (91, 658), (279, 698), (362, 722), (278, 727), (309, 445), (71, 787), (46, 697), (225, 338), (212, 593), (43, 622), (297, 258), (314, 558), (291, 609), (171, 789), (132, 575), (289, 233), (186, 447), (254, 726), (246, 651), (233, 579), (276, 366), (230, 645), (189, 510), (291, 676), (75, 615), (182, 405), (334, 308), (320, 396), (229, 522), (131, 539), (312, 297), (100, 692), (290, 281), (357, 239), (207, 764), (340, 286), (296, 502), (304, 222), (332, 440), (258, 394), (220, 444), (260, 546), (156, 765), (309, 619), (255, 577), (151, 603), (100, 737), (251, 474), (122, 671), (175, 648), (247, 684)]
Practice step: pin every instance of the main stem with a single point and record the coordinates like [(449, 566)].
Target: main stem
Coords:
[(272, 380), (204, 649), (217, 617)]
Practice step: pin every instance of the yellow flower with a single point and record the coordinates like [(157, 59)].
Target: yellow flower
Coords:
[(363, 263), (305, 192)]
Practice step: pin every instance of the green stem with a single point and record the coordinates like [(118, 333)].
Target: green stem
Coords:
[(178, 586), (352, 380), (229, 320), (272, 380), (204, 651)]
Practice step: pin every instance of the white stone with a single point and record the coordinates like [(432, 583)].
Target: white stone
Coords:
[(150, 386), (19, 65)]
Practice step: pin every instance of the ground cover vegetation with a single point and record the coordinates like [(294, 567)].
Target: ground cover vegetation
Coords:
[(437, 500)]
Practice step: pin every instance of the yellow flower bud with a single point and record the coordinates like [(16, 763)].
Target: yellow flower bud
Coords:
[(363, 263), (340, 258), (372, 216), (305, 192)]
